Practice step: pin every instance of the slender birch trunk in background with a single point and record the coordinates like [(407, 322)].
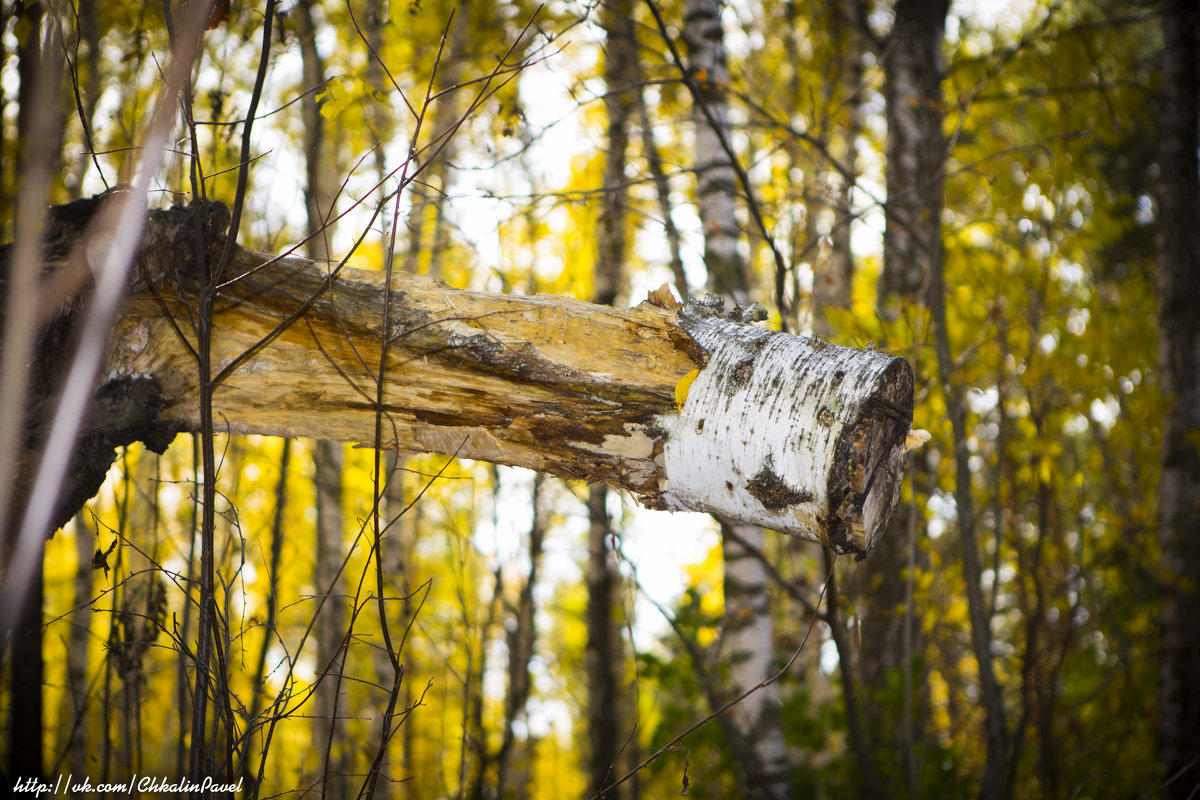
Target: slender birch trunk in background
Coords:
[(831, 289), (75, 699), (913, 258), (430, 195), (662, 192), (832, 277), (139, 602), (716, 178), (749, 633), (521, 641)]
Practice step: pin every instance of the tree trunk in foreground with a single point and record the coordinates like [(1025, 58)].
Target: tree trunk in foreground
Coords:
[(688, 408), (1179, 356)]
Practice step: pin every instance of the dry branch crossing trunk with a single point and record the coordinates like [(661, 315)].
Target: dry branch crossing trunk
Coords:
[(688, 408)]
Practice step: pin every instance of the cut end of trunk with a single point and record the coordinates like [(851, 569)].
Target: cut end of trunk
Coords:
[(870, 462)]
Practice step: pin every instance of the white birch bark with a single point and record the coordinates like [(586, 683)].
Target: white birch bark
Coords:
[(716, 179), (823, 417)]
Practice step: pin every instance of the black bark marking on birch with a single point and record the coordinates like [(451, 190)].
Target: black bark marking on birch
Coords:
[(739, 376), (770, 490)]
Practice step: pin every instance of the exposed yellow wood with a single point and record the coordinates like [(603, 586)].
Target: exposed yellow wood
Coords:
[(544, 382)]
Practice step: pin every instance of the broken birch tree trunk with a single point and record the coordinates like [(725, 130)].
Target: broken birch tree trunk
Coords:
[(687, 408)]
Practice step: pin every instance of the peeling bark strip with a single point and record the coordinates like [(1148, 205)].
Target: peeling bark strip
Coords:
[(795, 434)]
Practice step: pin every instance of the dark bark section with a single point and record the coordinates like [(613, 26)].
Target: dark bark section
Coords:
[(868, 449), (916, 158), (603, 653), (123, 410), (1179, 354), (511, 774), (915, 146), (603, 657), (26, 673)]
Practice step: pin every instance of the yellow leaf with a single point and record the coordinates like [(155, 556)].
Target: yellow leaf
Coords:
[(681, 388)]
